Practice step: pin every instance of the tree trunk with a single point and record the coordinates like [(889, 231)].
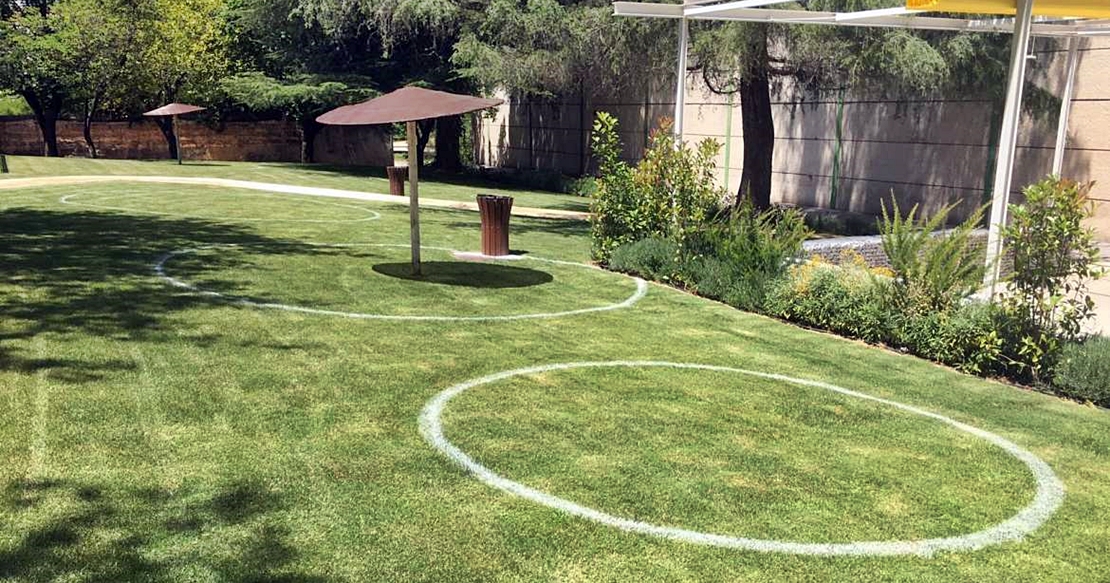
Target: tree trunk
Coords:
[(166, 125), (448, 132), (48, 124), (86, 130), (309, 129), (759, 130), (46, 113), (86, 126)]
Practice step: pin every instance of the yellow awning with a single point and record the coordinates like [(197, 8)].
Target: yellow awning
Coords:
[(1078, 8)]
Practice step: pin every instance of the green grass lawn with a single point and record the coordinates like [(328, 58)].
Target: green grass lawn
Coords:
[(361, 179), (150, 433)]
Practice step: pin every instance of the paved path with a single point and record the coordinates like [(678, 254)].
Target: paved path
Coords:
[(13, 183)]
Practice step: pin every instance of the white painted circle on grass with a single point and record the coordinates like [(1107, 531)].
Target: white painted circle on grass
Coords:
[(1049, 494), (160, 270), (370, 214)]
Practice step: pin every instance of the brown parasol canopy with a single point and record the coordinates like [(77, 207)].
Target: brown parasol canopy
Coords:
[(404, 105), (173, 110), (409, 105)]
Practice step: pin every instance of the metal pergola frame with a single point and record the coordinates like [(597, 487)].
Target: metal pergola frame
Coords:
[(1024, 26)]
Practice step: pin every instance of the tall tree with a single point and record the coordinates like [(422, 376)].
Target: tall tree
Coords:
[(104, 35), (36, 61), (551, 47), (301, 99), (403, 42), (185, 56), (756, 60)]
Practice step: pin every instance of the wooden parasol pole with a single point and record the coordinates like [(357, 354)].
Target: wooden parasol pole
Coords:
[(414, 196)]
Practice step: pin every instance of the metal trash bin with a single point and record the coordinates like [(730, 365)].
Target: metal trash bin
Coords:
[(495, 212), (397, 175)]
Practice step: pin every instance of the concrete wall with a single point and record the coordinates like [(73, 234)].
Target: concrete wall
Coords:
[(929, 151), (256, 141)]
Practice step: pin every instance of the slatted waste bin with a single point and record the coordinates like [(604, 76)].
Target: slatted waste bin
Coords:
[(495, 223), (396, 176)]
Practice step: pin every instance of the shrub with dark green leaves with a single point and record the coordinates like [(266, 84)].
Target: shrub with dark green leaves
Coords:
[(964, 337), (653, 258), (754, 248), (1083, 371), (670, 194), (849, 300), (1054, 255)]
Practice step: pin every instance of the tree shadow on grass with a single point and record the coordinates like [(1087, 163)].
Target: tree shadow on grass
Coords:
[(83, 531), (92, 272), (66, 370), (467, 274)]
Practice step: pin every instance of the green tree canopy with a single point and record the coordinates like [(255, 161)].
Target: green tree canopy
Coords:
[(301, 98)]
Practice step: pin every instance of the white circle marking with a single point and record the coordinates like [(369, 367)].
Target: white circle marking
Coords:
[(159, 269), (1048, 498), (372, 215)]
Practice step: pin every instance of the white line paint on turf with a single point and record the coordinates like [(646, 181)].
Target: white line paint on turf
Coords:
[(160, 270), (1049, 495), (371, 215), (518, 211)]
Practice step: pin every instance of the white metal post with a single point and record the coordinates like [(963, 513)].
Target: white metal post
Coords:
[(414, 196), (1065, 107), (680, 83), (1007, 144)]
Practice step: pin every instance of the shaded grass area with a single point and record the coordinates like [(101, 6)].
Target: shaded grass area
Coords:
[(89, 533), (380, 280), (364, 179), (148, 434)]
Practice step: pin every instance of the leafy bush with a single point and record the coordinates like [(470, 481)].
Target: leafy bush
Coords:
[(756, 248), (850, 300), (853, 300), (1054, 255), (965, 337), (1084, 371), (584, 187), (670, 194), (653, 258), (933, 270), (11, 104)]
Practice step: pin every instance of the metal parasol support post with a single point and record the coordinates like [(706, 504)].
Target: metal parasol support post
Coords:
[(1007, 145), (1065, 107)]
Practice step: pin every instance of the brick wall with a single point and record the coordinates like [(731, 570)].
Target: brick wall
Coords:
[(255, 141)]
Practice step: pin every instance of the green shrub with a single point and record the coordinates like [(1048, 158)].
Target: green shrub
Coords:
[(11, 104), (584, 187), (1084, 371), (964, 337), (755, 248), (849, 300), (654, 258), (933, 270), (708, 276), (853, 300), (670, 194), (1054, 256)]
